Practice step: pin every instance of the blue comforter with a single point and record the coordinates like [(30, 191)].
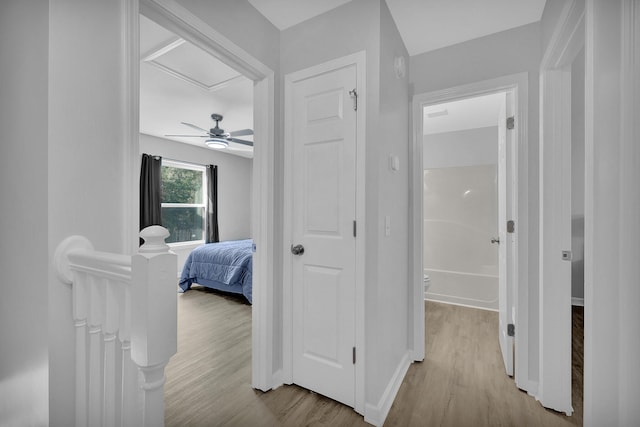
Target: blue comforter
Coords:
[(225, 266)]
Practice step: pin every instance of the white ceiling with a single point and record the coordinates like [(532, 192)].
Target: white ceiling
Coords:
[(424, 25), (287, 13), (181, 83)]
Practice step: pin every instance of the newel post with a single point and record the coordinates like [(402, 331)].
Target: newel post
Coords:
[(153, 320)]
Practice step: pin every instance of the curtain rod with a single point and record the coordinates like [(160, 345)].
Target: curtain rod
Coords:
[(180, 161)]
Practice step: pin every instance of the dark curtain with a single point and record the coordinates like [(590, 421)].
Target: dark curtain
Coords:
[(150, 191), (212, 204)]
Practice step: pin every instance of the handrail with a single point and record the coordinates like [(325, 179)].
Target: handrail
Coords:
[(138, 321), (101, 264)]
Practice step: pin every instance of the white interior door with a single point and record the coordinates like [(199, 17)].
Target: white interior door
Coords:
[(505, 297), (555, 241), (323, 241)]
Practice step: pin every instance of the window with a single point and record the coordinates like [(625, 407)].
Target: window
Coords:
[(183, 201)]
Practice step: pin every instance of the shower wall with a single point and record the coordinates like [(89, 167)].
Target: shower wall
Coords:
[(460, 208)]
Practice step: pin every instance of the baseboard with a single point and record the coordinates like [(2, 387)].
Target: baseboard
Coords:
[(442, 301), (577, 301), (377, 414)]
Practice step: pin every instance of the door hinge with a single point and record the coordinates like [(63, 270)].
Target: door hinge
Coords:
[(354, 96), (511, 122), (511, 226), (354, 355), (354, 228), (511, 330)]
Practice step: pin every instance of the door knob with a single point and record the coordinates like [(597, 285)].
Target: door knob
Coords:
[(495, 240), (297, 249)]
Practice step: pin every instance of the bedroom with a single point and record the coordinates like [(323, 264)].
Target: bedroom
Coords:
[(181, 86)]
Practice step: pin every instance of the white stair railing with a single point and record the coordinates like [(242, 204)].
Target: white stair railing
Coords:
[(125, 314)]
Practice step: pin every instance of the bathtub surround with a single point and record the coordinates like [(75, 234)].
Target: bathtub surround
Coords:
[(460, 206), (460, 217)]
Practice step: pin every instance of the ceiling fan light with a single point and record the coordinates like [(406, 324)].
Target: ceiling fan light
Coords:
[(217, 143)]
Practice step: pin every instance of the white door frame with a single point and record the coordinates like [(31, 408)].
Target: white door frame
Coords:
[(518, 85), (555, 208), (359, 60), (612, 208), (185, 24)]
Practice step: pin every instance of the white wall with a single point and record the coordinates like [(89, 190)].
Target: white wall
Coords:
[(577, 176), (394, 329), (461, 148), (24, 370), (241, 23), (86, 161), (509, 52)]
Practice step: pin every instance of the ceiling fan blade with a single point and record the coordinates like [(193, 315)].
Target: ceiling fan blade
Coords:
[(195, 127), (241, 141), (241, 132), (190, 136)]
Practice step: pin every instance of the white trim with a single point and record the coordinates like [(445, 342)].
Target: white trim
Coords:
[(130, 73), (180, 76), (377, 414), (579, 302), (612, 208), (477, 307), (359, 60), (416, 231), (555, 209), (161, 50), (629, 227), (518, 84), (183, 165), (186, 25), (263, 226), (191, 244)]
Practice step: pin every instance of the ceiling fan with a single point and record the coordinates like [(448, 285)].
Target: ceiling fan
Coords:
[(217, 137)]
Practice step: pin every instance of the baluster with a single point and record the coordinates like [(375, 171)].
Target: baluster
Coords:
[(154, 319), (110, 328), (77, 281), (79, 296), (129, 388), (96, 297), (129, 381)]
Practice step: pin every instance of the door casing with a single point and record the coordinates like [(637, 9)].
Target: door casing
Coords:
[(555, 208), (185, 24), (517, 84)]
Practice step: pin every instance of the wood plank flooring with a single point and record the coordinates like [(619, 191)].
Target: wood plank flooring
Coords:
[(460, 383)]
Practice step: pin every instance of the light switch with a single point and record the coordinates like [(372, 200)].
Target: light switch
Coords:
[(394, 163)]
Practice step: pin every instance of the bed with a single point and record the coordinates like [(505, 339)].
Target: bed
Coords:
[(225, 266)]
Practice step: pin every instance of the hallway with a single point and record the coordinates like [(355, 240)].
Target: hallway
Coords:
[(461, 382)]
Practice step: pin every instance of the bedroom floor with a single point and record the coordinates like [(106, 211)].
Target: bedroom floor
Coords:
[(460, 383)]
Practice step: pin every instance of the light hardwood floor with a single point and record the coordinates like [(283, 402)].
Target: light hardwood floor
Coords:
[(460, 383)]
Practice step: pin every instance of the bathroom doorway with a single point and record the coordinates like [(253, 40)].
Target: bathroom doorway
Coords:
[(476, 170), (465, 145), (461, 201)]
